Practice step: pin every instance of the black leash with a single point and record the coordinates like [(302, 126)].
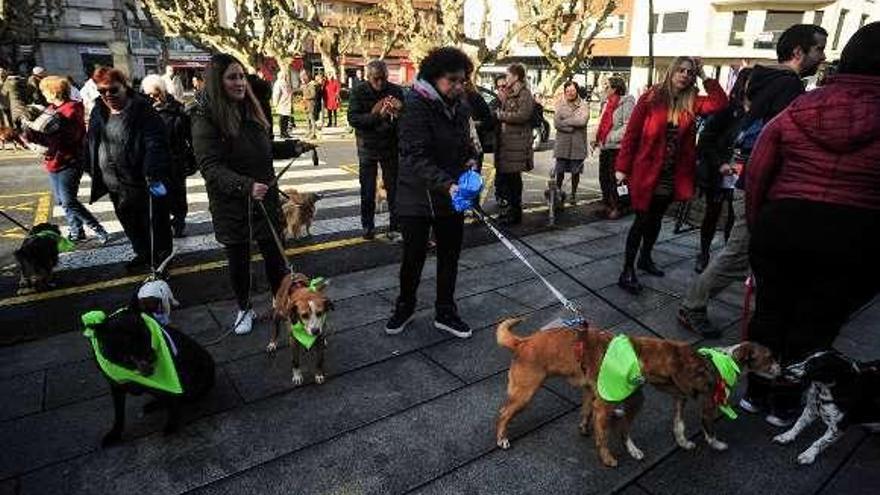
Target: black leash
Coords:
[(485, 218), (16, 222)]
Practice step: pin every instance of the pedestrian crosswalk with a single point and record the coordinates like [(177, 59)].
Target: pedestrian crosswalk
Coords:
[(338, 213)]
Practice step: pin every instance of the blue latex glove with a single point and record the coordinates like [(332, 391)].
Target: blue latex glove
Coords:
[(157, 189), (470, 184)]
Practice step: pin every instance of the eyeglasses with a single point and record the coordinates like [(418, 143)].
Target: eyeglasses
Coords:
[(112, 90)]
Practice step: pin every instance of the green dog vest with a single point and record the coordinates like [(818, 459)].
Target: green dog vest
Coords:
[(64, 244), (620, 374), (729, 371), (298, 329), (164, 375)]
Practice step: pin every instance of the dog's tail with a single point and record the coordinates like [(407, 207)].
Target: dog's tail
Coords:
[(505, 337)]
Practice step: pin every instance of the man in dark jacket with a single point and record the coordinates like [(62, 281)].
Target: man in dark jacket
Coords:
[(35, 96), (128, 153), (435, 149), (800, 50), (177, 129), (373, 111)]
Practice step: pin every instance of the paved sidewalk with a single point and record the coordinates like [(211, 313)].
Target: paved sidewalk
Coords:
[(412, 413)]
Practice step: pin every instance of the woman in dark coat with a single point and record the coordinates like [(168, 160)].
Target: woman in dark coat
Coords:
[(234, 150), (657, 157), (435, 149)]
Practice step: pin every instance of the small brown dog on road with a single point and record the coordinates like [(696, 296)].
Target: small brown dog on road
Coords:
[(299, 212), (302, 302), (11, 136), (381, 195), (577, 353)]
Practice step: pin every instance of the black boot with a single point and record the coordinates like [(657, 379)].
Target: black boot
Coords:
[(629, 282), (702, 262), (647, 265)]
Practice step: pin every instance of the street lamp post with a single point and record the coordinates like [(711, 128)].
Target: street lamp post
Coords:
[(651, 28)]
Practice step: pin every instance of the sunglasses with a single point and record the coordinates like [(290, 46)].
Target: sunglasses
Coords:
[(112, 90)]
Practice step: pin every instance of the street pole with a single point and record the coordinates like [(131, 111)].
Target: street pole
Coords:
[(650, 43)]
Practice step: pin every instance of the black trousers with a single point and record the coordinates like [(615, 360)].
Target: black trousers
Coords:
[(239, 257), (177, 200), (132, 206), (509, 187), (369, 168), (645, 229), (814, 265), (448, 233), (285, 123), (331, 118), (607, 182)]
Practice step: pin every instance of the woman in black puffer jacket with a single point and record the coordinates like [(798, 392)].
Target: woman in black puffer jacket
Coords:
[(234, 150), (435, 149)]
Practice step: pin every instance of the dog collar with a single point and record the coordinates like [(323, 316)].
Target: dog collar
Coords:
[(728, 372), (620, 374), (64, 244), (164, 375)]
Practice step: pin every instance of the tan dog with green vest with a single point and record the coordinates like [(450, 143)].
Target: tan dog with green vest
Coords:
[(578, 354)]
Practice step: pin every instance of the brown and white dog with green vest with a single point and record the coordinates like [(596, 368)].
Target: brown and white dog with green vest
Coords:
[(578, 354)]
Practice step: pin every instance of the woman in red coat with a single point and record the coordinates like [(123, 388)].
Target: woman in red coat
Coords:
[(331, 99), (657, 157)]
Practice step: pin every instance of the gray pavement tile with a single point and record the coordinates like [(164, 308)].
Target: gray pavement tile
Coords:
[(194, 320), (676, 281), (692, 240), (223, 444), (401, 452), (668, 247), (563, 237), (859, 338), (477, 280), (471, 359), (861, 473), (534, 294), (734, 295), (262, 374), (359, 310), (487, 309), (614, 226), (64, 433), (633, 489), (556, 459), (599, 274), (648, 300), (664, 320), (34, 356), (74, 382), (487, 254), (363, 282), (425, 296), (752, 464), (599, 313), (561, 257), (588, 232), (21, 395), (600, 248)]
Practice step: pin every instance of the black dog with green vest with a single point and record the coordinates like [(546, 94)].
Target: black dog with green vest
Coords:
[(137, 355)]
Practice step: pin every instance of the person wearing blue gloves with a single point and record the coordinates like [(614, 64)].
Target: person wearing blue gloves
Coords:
[(129, 159), (435, 150)]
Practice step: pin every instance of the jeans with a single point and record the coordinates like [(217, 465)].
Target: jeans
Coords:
[(65, 187), (645, 230), (448, 233), (132, 206), (367, 175), (731, 265), (239, 257)]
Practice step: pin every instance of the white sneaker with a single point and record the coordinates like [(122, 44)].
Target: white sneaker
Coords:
[(244, 322)]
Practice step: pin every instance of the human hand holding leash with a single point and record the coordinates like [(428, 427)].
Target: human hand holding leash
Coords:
[(259, 190)]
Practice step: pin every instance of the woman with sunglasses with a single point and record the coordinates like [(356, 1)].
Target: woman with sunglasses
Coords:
[(232, 140), (435, 149), (657, 157)]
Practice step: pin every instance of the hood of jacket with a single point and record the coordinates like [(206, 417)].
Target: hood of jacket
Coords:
[(765, 84), (429, 92), (843, 116)]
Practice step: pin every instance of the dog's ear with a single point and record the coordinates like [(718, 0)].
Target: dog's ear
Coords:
[(329, 306)]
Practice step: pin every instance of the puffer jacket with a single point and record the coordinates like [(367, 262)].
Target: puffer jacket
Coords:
[(620, 119), (825, 147), (230, 167), (178, 132), (570, 121), (513, 153), (435, 146)]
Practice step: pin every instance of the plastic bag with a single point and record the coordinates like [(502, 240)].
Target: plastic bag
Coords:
[(470, 184)]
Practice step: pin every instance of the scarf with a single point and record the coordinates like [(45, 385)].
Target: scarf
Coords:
[(606, 123)]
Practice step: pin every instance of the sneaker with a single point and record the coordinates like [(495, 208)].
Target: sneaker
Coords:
[(452, 324), (399, 320), (369, 234), (647, 265), (629, 282), (244, 322), (697, 321), (392, 236), (103, 237), (79, 235)]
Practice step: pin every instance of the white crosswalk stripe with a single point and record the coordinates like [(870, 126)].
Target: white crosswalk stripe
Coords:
[(339, 187)]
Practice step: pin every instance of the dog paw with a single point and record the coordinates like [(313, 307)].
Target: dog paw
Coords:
[(297, 377), (504, 444), (271, 347), (319, 378), (783, 439), (634, 452), (687, 445), (806, 458), (716, 444), (584, 429), (111, 438), (609, 461)]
